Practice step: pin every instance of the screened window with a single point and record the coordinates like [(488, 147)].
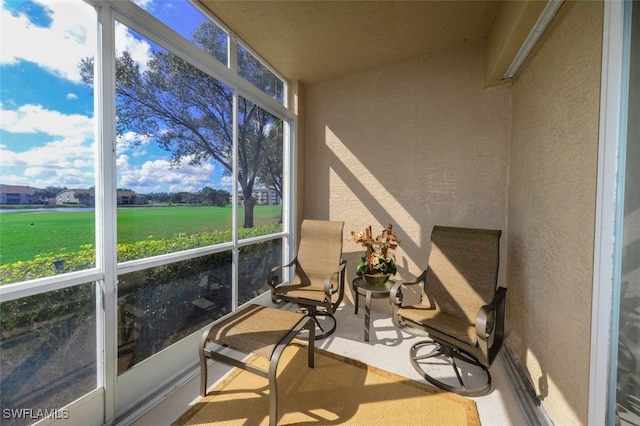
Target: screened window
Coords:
[(125, 231), (47, 352), (260, 168), (188, 21), (258, 74), (174, 152), (48, 152), (181, 164), (48, 340), (158, 306)]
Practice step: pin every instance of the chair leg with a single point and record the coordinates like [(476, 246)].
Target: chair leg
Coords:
[(450, 354), (312, 312), (325, 333)]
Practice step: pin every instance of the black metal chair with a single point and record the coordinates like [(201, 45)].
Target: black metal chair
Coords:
[(318, 282), (460, 309)]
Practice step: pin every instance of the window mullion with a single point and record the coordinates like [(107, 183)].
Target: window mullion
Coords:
[(234, 209), (233, 53), (106, 225), (288, 215)]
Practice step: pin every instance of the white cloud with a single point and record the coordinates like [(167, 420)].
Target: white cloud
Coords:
[(84, 163), (60, 154), (127, 142), (42, 176), (226, 181), (145, 4), (10, 158), (59, 47), (40, 172), (34, 118), (158, 176), (140, 50), (64, 157), (72, 96)]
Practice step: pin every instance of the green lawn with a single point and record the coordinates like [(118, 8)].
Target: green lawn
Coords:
[(23, 235)]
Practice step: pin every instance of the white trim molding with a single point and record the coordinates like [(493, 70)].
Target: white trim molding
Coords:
[(548, 13), (607, 208)]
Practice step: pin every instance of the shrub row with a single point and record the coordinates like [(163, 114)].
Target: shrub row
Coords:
[(43, 264), (35, 311)]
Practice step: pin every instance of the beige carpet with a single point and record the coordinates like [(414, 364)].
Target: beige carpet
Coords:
[(338, 390)]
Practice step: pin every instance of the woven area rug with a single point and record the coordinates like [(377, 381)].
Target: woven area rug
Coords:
[(338, 390)]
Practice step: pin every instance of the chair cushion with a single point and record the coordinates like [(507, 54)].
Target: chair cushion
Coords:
[(320, 249), (254, 329), (453, 325), (463, 270), (312, 290)]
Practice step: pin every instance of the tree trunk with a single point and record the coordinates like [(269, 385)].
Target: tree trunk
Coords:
[(249, 202)]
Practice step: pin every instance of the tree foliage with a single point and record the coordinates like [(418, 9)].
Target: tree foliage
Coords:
[(48, 192), (189, 114)]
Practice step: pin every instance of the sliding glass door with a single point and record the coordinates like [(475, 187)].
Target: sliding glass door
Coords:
[(627, 374)]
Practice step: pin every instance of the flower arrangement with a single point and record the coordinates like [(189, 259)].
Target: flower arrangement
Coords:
[(378, 258)]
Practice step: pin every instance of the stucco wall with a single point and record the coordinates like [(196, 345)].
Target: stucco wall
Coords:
[(551, 213), (414, 144)]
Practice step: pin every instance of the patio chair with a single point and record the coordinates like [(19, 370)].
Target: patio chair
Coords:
[(318, 281), (460, 309)]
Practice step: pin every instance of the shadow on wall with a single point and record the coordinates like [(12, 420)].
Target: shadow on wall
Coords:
[(362, 191), (363, 183), (529, 363)]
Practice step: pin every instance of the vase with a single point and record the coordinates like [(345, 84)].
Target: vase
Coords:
[(376, 279)]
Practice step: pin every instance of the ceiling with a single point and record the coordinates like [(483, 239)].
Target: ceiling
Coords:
[(315, 41)]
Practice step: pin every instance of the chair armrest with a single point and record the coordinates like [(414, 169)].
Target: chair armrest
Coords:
[(328, 289), (489, 315), (273, 278), (395, 294)]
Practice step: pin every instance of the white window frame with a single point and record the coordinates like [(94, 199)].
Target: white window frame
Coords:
[(609, 198)]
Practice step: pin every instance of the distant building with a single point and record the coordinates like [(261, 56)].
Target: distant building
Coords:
[(18, 194), (263, 197), (129, 198), (76, 196), (266, 197), (88, 197)]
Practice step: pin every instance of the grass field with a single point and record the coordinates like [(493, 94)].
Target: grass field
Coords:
[(23, 235)]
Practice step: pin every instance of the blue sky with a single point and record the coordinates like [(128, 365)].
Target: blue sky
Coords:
[(46, 112)]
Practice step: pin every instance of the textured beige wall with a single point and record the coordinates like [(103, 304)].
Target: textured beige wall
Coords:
[(414, 144), (552, 193)]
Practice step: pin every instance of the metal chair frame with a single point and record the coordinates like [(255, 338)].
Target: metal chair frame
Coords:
[(489, 331)]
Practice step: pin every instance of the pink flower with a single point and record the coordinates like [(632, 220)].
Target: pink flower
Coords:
[(377, 258)]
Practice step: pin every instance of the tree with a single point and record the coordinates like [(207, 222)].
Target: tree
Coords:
[(205, 195), (221, 198), (189, 114), (181, 197), (214, 197), (159, 197), (48, 193), (86, 198), (271, 174)]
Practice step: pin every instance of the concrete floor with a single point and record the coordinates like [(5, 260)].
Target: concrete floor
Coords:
[(388, 348)]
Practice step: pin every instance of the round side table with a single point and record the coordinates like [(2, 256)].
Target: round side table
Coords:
[(362, 288)]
